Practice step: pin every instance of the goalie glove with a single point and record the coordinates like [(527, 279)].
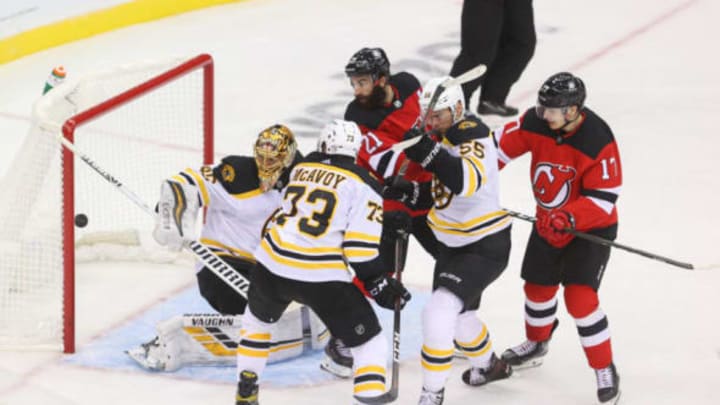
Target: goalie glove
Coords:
[(177, 213)]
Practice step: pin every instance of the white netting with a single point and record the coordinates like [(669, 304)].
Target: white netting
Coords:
[(140, 143)]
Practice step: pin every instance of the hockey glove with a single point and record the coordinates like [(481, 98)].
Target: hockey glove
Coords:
[(554, 227), (424, 151), (413, 132), (401, 189), (396, 223), (385, 290)]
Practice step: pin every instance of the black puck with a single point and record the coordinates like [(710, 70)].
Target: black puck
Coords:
[(81, 220)]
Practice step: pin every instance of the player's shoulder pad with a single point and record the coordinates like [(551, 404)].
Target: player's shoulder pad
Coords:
[(467, 129), (531, 122), (406, 84), (348, 164), (351, 110), (363, 116), (237, 174), (593, 135)]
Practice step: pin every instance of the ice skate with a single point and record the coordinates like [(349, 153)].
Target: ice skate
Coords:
[(529, 353), (428, 397), (498, 369), (247, 391), (608, 383), (338, 359)]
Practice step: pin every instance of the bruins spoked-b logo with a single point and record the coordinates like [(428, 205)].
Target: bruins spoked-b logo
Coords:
[(552, 184), (228, 173), (441, 194)]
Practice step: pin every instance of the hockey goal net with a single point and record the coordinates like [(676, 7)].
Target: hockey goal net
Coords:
[(141, 123)]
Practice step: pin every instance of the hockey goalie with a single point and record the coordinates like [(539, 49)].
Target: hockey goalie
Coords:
[(239, 196)]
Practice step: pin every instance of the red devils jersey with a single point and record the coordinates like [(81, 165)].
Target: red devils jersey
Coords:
[(578, 172), (385, 126)]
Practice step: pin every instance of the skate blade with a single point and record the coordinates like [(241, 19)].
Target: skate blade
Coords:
[(612, 401), (532, 363), (334, 369)]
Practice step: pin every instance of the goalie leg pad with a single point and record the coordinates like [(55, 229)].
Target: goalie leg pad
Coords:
[(211, 340), (297, 331), (177, 213), (163, 352), (196, 339), (319, 333)]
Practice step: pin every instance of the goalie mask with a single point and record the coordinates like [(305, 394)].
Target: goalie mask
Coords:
[(274, 151)]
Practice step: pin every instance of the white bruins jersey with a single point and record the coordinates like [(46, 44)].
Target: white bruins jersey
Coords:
[(237, 209), (331, 215), (474, 213)]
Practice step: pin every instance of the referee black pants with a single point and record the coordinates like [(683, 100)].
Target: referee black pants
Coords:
[(500, 34)]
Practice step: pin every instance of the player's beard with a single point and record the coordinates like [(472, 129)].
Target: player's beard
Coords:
[(376, 99)]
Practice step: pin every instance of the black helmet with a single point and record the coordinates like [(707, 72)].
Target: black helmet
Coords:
[(562, 90), (372, 61)]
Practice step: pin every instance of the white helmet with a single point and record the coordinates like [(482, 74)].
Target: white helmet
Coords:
[(340, 138), (448, 99)]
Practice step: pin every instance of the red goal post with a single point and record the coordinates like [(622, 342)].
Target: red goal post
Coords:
[(142, 122)]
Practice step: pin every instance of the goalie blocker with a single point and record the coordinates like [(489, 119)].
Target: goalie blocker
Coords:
[(175, 222)]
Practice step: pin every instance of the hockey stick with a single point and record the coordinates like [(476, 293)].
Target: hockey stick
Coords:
[(218, 266), (400, 253), (609, 243), (468, 76), (392, 394)]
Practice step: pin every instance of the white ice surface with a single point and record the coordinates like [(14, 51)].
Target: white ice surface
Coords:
[(652, 72)]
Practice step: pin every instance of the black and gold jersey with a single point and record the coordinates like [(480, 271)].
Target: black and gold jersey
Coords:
[(331, 215)]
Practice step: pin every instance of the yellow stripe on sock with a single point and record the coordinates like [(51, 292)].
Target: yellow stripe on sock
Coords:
[(374, 386), (370, 370)]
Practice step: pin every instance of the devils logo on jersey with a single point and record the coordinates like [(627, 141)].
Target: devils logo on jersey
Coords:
[(552, 184)]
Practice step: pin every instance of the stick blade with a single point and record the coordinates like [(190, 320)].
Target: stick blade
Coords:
[(707, 267), (468, 76), (385, 398), (402, 145)]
